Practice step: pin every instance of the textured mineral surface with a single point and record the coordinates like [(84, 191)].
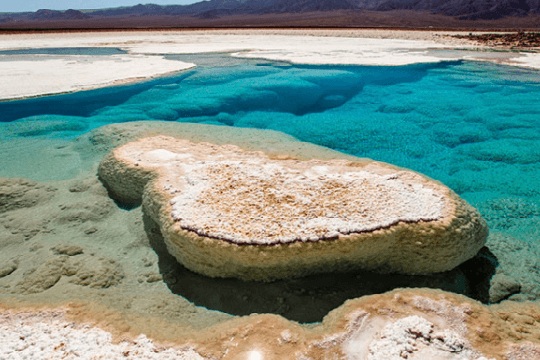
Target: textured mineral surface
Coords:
[(403, 324), (229, 212)]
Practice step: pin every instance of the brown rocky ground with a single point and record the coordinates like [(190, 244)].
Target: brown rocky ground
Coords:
[(514, 40)]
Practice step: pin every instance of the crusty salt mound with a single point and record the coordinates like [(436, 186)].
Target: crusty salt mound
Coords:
[(228, 212), (49, 335), (403, 324)]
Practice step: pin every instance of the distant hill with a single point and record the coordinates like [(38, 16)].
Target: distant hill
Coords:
[(346, 13), (465, 9), (55, 15)]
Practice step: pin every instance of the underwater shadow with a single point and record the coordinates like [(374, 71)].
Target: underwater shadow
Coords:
[(81, 103), (308, 299), (121, 204)]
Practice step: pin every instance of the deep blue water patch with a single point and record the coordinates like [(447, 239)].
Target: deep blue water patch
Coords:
[(83, 103)]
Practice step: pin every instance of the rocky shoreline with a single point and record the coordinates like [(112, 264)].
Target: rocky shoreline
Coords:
[(517, 40)]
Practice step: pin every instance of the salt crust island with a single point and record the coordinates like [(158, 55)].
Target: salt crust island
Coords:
[(228, 212)]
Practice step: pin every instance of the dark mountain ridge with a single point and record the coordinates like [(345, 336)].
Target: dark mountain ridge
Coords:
[(481, 9), (290, 9), (465, 9), (45, 14)]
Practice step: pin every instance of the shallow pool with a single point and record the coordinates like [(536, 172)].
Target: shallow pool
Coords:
[(473, 126)]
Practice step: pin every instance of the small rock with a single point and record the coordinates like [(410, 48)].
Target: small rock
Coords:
[(502, 287), (69, 250), (90, 231), (98, 273), (152, 278), (8, 268), (43, 277)]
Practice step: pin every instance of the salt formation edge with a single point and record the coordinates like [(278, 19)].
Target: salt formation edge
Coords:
[(404, 323), (156, 169)]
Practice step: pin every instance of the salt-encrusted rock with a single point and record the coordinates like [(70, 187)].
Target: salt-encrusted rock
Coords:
[(69, 250), (401, 324), (228, 212)]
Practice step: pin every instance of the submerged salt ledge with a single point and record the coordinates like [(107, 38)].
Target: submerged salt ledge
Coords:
[(283, 202)]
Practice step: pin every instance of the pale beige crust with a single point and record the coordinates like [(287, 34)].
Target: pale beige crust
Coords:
[(145, 167), (495, 333), (506, 331)]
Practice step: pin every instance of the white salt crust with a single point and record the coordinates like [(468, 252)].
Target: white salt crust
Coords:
[(33, 75), (530, 60), (49, 335), (248, 198), (412, 337), (259, 201)]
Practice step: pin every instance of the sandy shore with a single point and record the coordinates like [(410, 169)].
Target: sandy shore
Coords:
[(22, 77)]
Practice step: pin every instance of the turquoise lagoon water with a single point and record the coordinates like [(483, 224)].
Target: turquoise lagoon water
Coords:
[(473, 126)]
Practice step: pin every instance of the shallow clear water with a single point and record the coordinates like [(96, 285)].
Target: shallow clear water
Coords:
[(473, 126)]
